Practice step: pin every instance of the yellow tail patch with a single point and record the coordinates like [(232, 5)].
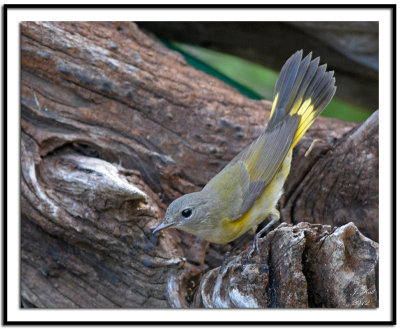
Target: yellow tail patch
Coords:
[(274, 105), (307, 113)]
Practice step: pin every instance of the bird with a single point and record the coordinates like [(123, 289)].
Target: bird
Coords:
[(246, 191)]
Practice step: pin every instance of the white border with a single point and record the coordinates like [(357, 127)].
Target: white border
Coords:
[(17, 15)]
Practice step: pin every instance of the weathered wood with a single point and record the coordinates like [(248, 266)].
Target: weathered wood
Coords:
[(341, 185), (307, 265), (113, 127)]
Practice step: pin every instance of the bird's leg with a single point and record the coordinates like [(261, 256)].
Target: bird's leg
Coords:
[(224, 261), (275, 216), (242, 240)]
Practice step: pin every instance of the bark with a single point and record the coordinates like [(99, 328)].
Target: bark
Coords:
[(114, 126), (307, 265)]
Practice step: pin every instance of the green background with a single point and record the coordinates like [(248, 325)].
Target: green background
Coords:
[(253, 80)]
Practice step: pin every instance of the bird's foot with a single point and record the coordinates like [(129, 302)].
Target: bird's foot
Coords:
[(266, 228)]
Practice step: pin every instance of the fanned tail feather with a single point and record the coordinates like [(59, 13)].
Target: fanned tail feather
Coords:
[(303, 89)]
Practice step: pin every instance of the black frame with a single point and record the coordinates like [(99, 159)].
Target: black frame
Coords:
[(393, 9)]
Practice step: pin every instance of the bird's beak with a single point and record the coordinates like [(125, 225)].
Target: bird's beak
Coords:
[(164, 224)]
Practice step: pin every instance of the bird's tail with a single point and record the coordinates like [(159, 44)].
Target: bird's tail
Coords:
[(303, 89)]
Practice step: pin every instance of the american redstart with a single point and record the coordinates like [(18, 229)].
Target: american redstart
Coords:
[(247, 190)]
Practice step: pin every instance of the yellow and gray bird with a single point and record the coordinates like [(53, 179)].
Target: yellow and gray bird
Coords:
[(246, 191)]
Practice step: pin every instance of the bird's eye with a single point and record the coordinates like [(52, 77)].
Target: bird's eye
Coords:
[(186, 212)]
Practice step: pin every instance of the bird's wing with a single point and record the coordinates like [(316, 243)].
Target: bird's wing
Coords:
[(302, 91), (232, 186), (263, 159)]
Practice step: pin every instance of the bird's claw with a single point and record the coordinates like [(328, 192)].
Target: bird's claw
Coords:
[(265, 229)]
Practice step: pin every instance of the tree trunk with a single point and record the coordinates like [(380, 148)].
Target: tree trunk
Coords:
[(114, 126)]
